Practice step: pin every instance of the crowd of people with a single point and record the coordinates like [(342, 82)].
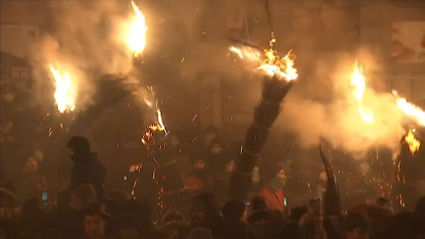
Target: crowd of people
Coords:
[(85, 208)]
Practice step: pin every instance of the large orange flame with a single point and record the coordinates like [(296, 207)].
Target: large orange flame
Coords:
[(358, 82), (65, 93), (137, 33), (412, 142), (410, 109), (269, 61)]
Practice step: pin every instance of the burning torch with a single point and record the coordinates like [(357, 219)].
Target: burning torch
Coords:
[(278, 80)]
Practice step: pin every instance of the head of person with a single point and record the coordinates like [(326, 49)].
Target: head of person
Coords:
[(234, 210), (175, 140), (278, 180), (95, 219), (199, 164), (230, 166), (356, 226), (202, 206), (216, 146), (210, 133), (315, 206), (82, 197), (78, 145), (30, 165)]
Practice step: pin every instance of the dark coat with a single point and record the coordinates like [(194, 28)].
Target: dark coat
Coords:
[(88, 170)]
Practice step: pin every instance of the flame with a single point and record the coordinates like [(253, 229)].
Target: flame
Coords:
[(159, 117), (138, 29), (148, 136), (160, 122), (412, 142), (64, 92), (269, 61), (410, 109), (358, 81)]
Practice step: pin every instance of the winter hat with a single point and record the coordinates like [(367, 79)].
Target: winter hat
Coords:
[(200, 233), (233, 209), (270, 170), (79, 144), (85, 193)]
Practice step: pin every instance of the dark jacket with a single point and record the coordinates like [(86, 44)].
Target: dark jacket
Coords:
[(88, 170)]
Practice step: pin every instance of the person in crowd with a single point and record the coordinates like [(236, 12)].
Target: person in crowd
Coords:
[(87, 168), (31, 183), (419, 214), (31, 223), (257, 210), (210, 132), (377, 213), (204, 212), (218, 156), (356, 226), (272, 191), (311, 222), (65, 220), (290, 227), (199, 179), (95, 221), (400, 225), (135, 220), (264, 223), (235, 214), (8, 213), (82, 197)]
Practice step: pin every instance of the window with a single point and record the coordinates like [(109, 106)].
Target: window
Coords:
[(20, 73)]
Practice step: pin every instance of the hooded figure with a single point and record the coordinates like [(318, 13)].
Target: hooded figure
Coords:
[(218, 156), (272, 191), (198, 179), (210, 132), (204, 212), (87, 168)]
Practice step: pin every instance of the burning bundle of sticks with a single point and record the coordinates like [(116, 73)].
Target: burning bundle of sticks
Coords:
[(279, 79)]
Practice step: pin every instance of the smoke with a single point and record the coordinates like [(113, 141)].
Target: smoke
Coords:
[(331, 112), (88, 39)]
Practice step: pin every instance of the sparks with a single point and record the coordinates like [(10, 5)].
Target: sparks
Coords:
[(358, 82), (64, 92), (137, 33), (269, 61), (412, 142)]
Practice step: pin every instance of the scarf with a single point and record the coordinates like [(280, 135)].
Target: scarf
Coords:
[(277, 184)]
